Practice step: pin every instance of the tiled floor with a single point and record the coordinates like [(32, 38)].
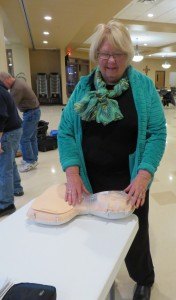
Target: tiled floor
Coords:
[(162, 207)]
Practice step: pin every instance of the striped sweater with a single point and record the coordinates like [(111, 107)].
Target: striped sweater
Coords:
[(151, 127)]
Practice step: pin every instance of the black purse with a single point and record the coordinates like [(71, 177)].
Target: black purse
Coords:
[(30, 291)]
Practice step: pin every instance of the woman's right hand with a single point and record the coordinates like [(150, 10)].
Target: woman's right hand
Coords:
[(75, 186)]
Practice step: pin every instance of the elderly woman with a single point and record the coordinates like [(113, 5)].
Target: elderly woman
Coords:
[(112, 137)]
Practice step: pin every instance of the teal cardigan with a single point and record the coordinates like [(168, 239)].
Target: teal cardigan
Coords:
[(151, 127)]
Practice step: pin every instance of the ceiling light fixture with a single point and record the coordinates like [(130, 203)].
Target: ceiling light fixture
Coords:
[(166, 65), (45, 32), (45, 42), (137, 57), (48, 18)]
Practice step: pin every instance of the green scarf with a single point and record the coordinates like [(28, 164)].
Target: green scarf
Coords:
[(98, 105)]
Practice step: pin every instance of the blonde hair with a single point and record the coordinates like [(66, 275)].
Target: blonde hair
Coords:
[(118, 36)]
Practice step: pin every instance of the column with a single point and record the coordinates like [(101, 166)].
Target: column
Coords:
[(63, 76), (3, 60)]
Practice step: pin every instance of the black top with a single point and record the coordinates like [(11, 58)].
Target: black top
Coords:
[(106, 148), (9, 117)]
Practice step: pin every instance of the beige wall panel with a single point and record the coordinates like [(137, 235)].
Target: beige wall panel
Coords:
[(81, 54), (3, 60), (44, 61), (21, 62)]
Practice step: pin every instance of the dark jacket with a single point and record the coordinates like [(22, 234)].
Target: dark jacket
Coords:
[(9, 117)]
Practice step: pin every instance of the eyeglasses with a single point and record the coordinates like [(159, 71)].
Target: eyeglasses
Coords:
[(106, 56)]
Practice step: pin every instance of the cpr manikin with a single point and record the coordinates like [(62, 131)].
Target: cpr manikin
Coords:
[(51, 208)]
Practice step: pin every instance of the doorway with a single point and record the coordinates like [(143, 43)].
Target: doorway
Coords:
[(160, 79)]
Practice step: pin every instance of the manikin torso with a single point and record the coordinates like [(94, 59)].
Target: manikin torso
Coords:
[(51, 208)]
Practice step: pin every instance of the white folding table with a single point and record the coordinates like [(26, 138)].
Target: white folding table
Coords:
[(80, 258)]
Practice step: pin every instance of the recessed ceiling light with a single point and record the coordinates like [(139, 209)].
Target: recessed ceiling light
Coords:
[(150, 55), (150, 15), (45, 42), (48, 18), (45, 32)]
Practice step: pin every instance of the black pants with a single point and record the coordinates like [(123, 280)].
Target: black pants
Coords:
[(138, 260)]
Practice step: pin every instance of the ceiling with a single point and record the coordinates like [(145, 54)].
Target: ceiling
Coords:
[(73, 22)]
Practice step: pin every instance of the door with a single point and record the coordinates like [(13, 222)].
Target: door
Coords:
[(160, 79)]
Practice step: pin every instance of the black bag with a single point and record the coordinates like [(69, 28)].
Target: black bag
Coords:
[(47, 143), (31, 291), (42, 128)]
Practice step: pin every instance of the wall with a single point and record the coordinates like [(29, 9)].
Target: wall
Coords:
[(3, 61), (153, 65), (156, 65), (80, 54), (44, 61), (21, 60)]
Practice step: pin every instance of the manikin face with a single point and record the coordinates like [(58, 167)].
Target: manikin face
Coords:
[(112, 68)]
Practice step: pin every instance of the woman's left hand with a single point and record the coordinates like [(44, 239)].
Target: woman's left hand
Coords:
[(137, 188)]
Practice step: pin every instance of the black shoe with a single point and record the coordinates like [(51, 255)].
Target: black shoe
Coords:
[(8, 210), (18, 194), (142, 292)]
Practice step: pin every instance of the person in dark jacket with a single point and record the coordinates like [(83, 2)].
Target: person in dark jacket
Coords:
[(27, 102), (10, 134)]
